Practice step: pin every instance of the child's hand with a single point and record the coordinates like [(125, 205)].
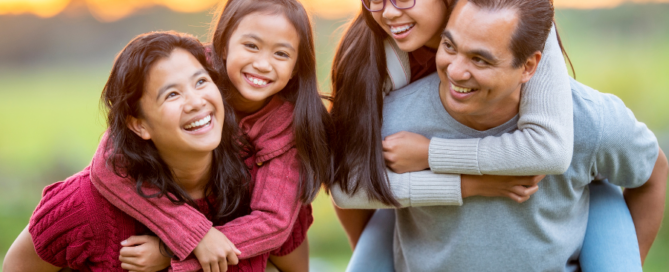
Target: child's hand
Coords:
[(142, 253), (215, 252), (518, 189), (406, 152)]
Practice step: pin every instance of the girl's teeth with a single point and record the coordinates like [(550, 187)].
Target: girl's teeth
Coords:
[(258, 81)]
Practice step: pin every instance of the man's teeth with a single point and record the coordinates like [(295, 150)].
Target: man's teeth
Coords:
[(199, 123), (460, 90), (257, 81), (398, 30)]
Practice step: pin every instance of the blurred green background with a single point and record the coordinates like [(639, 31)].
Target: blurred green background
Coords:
[(52, 72)]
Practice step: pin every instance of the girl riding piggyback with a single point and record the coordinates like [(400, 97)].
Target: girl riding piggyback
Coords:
[(264, 51)]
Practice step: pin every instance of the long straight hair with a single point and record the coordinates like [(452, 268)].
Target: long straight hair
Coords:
[(136, 158), (358, 75), (311, 122)]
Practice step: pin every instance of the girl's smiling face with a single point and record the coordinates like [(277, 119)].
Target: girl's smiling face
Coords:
[(181, 107), (260, 59), (416, 27)]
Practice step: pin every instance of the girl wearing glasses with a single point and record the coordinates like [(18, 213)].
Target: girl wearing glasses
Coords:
[(393, 43)]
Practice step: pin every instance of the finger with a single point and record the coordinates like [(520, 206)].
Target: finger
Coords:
[(530, 191), (130, 267), (232, 259), (514, 197), (538, 179), (215, 267), (129, 251), (223, 265), (129, 260), (237, 251), (205, 267), (135, 240)]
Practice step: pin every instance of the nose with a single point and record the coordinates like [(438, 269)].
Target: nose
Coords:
[(458, 70), (194, 101), (262, 64), (391, 12)]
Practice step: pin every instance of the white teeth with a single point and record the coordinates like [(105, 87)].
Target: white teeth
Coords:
[(198, 123), (257, 81), (460, 90), (397, 30)]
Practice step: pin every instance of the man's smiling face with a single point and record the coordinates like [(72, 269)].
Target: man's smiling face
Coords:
[(476, 65)]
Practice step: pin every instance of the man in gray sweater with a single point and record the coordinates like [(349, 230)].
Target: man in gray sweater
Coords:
[(489, 49)]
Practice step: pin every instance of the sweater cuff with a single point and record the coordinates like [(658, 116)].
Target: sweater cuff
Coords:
[(454, 156), (430, 189), (193, 237), (189, 265)]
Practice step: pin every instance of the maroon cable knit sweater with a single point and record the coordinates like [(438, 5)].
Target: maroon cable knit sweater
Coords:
[(277, 222), (74, 226)]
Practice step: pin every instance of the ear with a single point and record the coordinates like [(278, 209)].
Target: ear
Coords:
[(138, 126), (530, 67)]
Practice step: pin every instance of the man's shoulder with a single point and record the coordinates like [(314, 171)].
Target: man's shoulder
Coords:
[(414, 89)]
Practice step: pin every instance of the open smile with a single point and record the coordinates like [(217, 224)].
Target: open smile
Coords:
[(256, 81), (401, 31), (199, 126)]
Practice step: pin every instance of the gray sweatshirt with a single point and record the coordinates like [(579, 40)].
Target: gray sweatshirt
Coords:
[(543, 143)]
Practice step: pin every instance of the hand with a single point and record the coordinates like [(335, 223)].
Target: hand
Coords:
[(406, 152), (142, 253), (215, 252), (518, 189)]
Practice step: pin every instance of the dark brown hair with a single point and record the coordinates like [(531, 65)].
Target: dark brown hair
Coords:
[(134, 157), (358, 77), (311, 121)]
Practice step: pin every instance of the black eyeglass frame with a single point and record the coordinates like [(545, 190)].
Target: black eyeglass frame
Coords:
[(384, 5)]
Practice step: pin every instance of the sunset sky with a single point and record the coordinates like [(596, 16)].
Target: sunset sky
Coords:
[(112, 10)]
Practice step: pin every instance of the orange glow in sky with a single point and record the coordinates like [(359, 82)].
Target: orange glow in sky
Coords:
[(112, 10)]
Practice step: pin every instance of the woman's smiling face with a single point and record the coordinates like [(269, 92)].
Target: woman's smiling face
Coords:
[(413, 28), (181, 108), (261, 56)]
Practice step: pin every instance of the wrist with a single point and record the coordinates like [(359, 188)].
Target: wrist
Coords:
[(468, 186)]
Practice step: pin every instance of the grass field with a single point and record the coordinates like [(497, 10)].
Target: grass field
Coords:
[(51, 121)]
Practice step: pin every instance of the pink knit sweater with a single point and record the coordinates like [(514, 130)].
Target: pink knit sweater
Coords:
[(274, 208)]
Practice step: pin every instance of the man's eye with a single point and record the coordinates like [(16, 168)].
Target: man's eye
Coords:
[(479, 60), (448, 46)]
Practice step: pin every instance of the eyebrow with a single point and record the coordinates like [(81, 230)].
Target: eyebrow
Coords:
[(165, 88), (255, 37), (481, 52)]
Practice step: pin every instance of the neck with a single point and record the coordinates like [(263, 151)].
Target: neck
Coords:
[(492, 115), (191, 171), (245, 107)]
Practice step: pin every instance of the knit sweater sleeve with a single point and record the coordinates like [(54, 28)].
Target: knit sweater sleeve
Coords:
[(543, 143), (59, 227), (274, 207), (180, 227), (413, 189)]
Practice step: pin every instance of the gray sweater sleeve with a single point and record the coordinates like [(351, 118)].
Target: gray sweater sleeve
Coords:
[(413, 189), (543, 143)]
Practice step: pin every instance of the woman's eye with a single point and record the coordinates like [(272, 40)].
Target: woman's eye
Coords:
[(172, 94), (200, 82), (250, 46)]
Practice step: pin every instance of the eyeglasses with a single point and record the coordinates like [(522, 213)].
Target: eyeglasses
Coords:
[(379, 5)]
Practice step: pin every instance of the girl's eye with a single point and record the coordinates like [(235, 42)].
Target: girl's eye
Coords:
[(282, 54), (251, 46)]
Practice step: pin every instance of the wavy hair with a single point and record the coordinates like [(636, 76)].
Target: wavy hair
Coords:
[(136, 158)]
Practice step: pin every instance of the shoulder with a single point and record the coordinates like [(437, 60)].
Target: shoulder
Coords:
[(430, 82), (61, 219)]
